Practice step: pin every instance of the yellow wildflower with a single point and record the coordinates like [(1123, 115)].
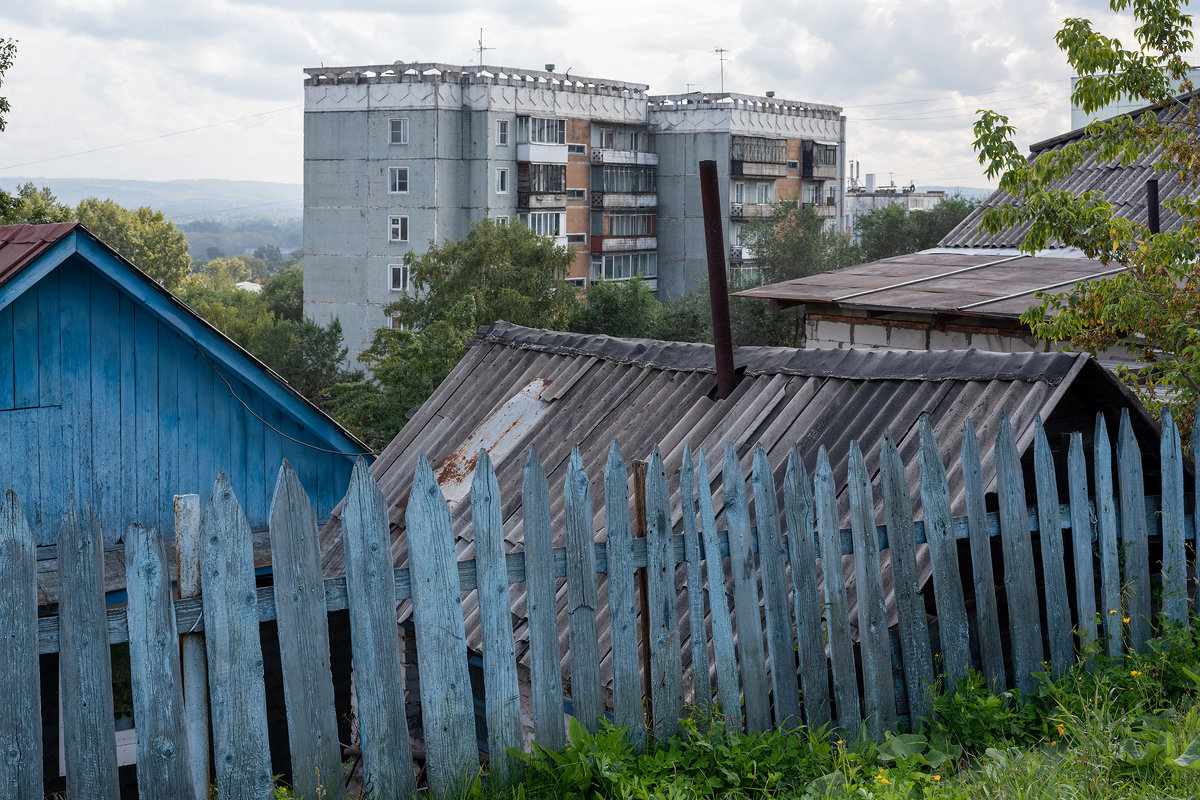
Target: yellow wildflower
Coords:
[(1061, 730), (882, 779), (1134, 672), (1125, 620), (937, 777)]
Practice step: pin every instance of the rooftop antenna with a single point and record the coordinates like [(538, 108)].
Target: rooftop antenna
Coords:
[(720, 51), (482, 48)]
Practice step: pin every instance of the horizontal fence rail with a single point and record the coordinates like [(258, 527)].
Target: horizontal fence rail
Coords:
[(774, 584)]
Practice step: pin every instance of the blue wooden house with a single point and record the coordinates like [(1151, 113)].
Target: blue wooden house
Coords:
[(114, 390)]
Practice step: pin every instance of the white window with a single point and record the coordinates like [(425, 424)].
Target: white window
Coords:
[(579, 284), (502, 181), (576, 238), (574, 149), (608, 138), (396, 324), (399, 130), (397, 229), (739, 192), (763, 194), (577, 194), (793, 164), (541, 130), (502, 132), (398, 180), (624, 266), (545, 223), (502, 220), (398, 275)]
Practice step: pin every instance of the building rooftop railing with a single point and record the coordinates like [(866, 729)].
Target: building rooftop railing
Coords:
[(729, 100), (431, 72)]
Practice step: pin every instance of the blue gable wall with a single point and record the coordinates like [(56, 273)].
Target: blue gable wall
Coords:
[(99, 395)]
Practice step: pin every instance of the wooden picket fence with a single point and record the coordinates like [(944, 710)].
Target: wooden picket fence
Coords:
[(801, 667)]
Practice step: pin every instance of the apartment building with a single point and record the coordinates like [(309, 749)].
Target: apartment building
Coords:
[(396, 156)]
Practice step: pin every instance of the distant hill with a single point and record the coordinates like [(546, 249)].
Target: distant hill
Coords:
[(183, 201)]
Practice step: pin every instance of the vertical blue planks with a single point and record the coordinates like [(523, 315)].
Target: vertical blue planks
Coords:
[(724, 654), (77, 387), (582, 599), (20, 681), (303, 629), (86, 673), (49, 344), (806, 597), (837, 617), (1054, 577), (666, 664), (193, 661), (745, 596), (110, 416), (235, 664), (146, 414), (162, 743), (446, 705), (545, 666), (1081, 545), (627, 688), (772, 559), (1174, 560), (701, 679), (1106, 525), (8, 363), (495, 618), (371, 595), (25, 350), (879, 695), (1024, 623), (1134, 535)]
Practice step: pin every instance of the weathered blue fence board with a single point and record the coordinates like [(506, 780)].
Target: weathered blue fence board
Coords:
[(1054, 576), (751, 657), (371, 596), (304, 640), (1082, 525), (1106, 527), (837, 618), (163, 755), (1024, 623), (501, 695), (772, 560), (991, 650), (802, 552), (20, 683), (666, 665), (701, 680), (441, 637), (1174, 559), (724, 654), (88, 743), (544, 662), (879, 694), (1134, 535), (235, 662), (627, 684), (582, 599)]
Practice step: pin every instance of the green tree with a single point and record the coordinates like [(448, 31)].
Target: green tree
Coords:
[(143, 235), (620, 308), (269, 253), (283, 293), (8, 52), (893, 230), (33, 206), (1153, 307)]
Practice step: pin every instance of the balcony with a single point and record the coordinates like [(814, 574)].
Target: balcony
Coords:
[(623, 244), (754, 169), (636, 157), (540, 200), (750, 210), (739, 253), (624, 200), (542, 153), (826, 210), (821, 172)]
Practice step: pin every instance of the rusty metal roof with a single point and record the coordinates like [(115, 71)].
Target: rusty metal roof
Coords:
[(553, 390), (20, 245)]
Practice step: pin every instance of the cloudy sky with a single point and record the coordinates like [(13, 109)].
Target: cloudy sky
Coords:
[(161, 89)]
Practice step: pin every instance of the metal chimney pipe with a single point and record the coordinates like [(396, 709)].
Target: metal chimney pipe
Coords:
[(718, 285), (1152, 204)]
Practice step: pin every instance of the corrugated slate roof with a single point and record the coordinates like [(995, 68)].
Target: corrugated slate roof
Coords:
[(590, 390)]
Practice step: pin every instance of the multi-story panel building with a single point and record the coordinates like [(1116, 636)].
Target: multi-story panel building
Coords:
[(400, 155)]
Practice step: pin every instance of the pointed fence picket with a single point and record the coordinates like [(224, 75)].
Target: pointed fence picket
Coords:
[(772, 575)]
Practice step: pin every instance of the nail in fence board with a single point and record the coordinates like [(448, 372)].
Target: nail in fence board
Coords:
[(724, 653), (502, 697), (545, 665), (837, 618), (1082, 524), (374, 637), (20, 683), (446, 706), (163, 756), (745, 596), (85, 669), (802, 551), (1134, 534), (991, 649), (772, 560), (915, 652), (1106, 524), (1174, 561), (1025, 626), (235, 662), (586, 700), (701, 681), (627, 688), (879, 694), (666, 665), (303, 640), (1054, 576)]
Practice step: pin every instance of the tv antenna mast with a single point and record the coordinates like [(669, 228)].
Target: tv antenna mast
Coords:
[(721, 51), (481, 48)]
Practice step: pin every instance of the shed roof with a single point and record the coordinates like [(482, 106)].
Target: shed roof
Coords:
[(519, 387)]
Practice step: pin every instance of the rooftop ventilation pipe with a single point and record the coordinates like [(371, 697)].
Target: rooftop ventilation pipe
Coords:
[(1152, 204), (718, 286)]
